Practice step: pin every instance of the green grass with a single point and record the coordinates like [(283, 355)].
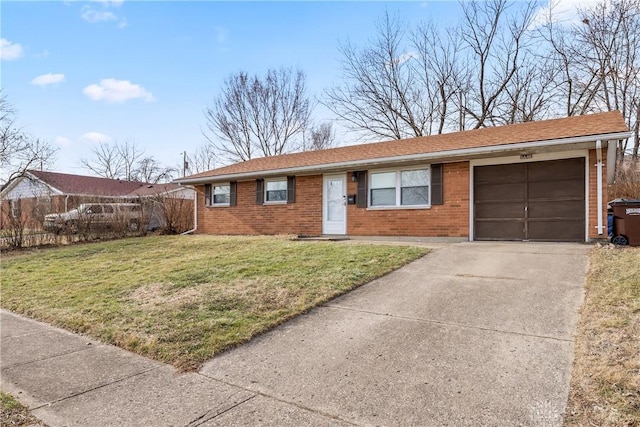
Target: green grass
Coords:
[(184, 299), (605, 382)]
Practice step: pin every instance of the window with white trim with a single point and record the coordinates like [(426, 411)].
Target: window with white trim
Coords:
[(220, 194), (275, 191), (15, 208), (409, 187)]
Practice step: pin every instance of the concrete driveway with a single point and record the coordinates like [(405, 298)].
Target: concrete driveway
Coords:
[(472, 334)]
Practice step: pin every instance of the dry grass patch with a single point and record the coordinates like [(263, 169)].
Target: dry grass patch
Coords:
[(13, 413), (183, 299), (605, 382)]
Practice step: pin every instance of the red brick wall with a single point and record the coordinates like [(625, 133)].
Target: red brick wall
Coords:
[(304, 217), (448, 220)]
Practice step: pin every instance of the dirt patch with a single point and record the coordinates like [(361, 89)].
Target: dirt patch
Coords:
[(159, 296)]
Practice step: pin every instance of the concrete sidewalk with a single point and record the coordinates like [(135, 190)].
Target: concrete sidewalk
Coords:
[(472, 334)]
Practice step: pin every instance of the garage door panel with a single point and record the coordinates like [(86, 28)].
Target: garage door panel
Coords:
[(499, 230), (500, 210), (557, 190), (555, 230), (556, 169), (553, 210), (500, 173), (530, 201), (500, 191)]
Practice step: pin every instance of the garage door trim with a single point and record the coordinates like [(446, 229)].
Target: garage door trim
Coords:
[(534, 158)]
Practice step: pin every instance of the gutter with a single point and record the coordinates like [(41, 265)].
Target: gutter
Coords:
[(453, 154), (611, 161), (195, 215), (599, 186)]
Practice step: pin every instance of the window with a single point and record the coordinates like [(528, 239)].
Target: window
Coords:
[(15, 208), (276, 191), (400, 188), (221, 194)]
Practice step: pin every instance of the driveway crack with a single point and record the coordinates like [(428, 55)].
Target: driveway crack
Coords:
[(443, 323), (216, 412)]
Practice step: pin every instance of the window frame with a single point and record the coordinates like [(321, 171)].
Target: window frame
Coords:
[(15, 208), (212, 196), (398, 188), (266, 200)]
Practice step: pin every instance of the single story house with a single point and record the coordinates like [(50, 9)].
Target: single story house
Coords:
[(538, 181), (37, 193)]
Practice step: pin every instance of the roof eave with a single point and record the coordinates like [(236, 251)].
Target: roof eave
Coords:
[(28, 175), (447, 154)]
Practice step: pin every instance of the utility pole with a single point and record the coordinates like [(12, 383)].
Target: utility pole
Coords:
[(185, 164)]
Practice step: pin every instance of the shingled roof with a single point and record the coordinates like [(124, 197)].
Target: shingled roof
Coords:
[(87, 185), (547, 130)]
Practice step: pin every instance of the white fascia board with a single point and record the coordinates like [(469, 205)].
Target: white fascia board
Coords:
[(30, 177), (448, 154)]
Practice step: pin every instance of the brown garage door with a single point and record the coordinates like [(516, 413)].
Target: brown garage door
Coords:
[(530, 201)]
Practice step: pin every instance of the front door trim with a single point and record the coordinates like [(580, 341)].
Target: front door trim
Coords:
[(334, 226)]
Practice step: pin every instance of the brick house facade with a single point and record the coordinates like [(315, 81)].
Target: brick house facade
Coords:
[(446, 169)]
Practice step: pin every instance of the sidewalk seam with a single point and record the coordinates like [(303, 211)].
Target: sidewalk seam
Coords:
[(54, 356), (268, 396), (94, 388)]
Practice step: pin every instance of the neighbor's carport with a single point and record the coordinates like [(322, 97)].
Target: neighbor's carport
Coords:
[(543, 201)]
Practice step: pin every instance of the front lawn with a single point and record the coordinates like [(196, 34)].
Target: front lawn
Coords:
[(605, 382), (184, 299)]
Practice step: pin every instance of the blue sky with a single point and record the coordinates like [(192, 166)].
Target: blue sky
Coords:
[(83, 72)]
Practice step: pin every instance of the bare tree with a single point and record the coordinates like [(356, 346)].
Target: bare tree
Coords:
[(19, 151), (126, 161), (610, 40), (130, 156), (496, 41), (600, 62), (442, 74), (105, 161), (203, 159), (320, 137), (381, 94), (259, 116), (479, 73), (150, 170)]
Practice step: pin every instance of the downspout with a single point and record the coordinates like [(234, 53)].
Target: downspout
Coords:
[(66, 203), (599, 186), (195, 214)]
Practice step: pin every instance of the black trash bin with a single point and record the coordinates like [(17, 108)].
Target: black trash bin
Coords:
[(626, 222)]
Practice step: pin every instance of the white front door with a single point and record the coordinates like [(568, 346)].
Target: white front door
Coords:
[(334, 206)]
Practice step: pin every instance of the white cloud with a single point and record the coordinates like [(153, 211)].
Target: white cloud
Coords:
[(93, 16), (9, 50), (61, 140), (108, 3), (48, 79), (100, 11), (95, 138), (112, 90), (560, 12)]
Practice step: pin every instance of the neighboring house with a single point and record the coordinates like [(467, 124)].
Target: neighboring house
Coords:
[(37, 193), (542, 181)]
